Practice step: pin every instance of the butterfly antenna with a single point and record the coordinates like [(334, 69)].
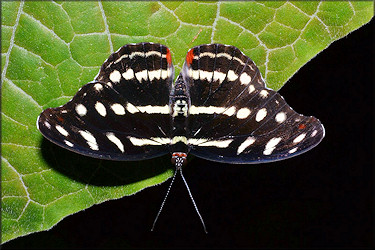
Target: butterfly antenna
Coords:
[(191, 197), (165, 198)]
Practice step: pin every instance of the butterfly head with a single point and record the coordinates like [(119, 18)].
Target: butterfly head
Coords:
[(179, 159)]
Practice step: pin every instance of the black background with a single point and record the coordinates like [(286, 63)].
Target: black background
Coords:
[(323, 198)]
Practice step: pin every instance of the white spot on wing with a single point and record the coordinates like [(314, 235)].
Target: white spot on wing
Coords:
[(129, 74), (115, 76), (61, 130), (131, 108), (164, 74), (261, 114), (249, 141), (263, 93), (280, 117), (314, 133), (90, 139), (81, 110), (115, 140), (299, 138), (293, 150), (118, 109), (205, 75), (251, 88), (68, 143), (193, 141), (230, 111), (155, 74), (154, 109), (217, 143), (161, 140), (47, 124), (243, 113), (207, 143), (195, 110), (100, 108), (152, 141), (271, 145), (245, 79), (195, 74), (98, 86), (232, 76), (141, 75), (219, 76)]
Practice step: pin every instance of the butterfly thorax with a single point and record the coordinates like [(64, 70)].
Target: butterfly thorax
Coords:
[(179, 102)]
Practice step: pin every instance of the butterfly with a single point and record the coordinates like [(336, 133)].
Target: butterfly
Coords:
[(218, 109)]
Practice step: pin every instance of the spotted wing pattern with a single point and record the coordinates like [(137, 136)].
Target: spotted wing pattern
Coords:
[(218, 109), (128, 101), (234, 117)]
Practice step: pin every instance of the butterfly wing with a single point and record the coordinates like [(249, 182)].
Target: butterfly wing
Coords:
[(234, 118), (111, 118)]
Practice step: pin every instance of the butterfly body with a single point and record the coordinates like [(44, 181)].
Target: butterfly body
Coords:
[(179, 105)]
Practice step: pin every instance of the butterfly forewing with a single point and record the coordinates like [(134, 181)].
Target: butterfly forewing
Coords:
[(235, 118), (146, 73), (124, 113), (147, 70), (217, 92)]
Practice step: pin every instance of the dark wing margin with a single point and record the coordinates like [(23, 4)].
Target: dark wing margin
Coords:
[(234, 117), (123, 114)]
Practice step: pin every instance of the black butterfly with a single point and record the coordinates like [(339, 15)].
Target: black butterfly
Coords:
[(218, 109)]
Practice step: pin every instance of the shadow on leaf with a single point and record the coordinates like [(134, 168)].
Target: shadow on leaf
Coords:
[(102, 172)]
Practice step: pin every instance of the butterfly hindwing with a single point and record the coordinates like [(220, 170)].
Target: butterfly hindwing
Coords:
[(235, 118), (112, 117)]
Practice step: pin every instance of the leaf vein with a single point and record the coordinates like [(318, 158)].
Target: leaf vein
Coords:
[(11, 44)]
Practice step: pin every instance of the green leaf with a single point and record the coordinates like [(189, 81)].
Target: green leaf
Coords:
[(50, 49)]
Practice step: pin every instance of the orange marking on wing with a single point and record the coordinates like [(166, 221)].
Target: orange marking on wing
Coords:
[(169, 57), (189, 57), (60, 119), (301, 126)]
